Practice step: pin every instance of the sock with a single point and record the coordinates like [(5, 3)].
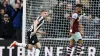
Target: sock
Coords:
[(21, 44), (69, 50), (79, 49), (37, 52)]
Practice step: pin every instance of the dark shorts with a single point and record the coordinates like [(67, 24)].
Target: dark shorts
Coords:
[(33, 40)]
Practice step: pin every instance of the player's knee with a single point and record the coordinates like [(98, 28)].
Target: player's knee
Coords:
[(38, 45), (72, 42), (71, 46), (30, 47), (80, 41)]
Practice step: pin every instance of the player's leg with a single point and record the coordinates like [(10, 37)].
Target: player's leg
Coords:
[(70, 47), (79, 46), (27, 46), (80, 42), (71, 44), (15, 43), (37, 44), (32, 42), (37, 50)]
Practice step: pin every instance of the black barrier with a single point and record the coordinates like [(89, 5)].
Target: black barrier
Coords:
[(5, 50), (51, 47), (59, 48)]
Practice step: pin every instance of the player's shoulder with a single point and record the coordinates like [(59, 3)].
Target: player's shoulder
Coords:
[(39, 17), (74, 13)]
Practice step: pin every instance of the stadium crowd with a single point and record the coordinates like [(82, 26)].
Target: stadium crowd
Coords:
[(61, 17), (11, 19)]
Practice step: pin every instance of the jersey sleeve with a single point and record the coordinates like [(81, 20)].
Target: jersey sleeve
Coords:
[(75, 16)]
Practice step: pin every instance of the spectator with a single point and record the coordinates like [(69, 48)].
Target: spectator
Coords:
[(89, 26), (95, 8), (58, 18), (1, 4), (97, 27), (2, 12), (17, 22), (6, 30), (16, 17)]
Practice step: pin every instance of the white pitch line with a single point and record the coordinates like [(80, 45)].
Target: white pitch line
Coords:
[(65, 39)]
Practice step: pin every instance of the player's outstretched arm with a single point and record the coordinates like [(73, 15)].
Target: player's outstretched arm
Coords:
[(41, 32)]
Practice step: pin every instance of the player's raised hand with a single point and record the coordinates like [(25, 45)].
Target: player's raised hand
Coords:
[(18, 1)]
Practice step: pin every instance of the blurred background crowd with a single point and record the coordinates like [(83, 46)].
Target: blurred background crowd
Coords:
[(11, 19), (90, 18), (57, 23)]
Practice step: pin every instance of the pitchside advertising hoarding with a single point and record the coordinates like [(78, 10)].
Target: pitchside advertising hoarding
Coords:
[(5, 50)]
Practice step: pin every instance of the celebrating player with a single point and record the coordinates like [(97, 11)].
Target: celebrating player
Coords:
[(74, 31), (32, 38)]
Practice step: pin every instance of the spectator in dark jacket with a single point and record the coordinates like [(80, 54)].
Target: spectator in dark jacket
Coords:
[(2, 12), (6, 30), (16, 18), (95, 8), (0, 5), (58, 18)]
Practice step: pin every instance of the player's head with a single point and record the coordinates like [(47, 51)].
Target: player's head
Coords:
[(79, 7), (43, 13)]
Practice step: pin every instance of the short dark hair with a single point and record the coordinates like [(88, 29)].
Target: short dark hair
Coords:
[(79, 5)]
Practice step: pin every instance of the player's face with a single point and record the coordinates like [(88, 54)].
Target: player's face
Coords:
[(79, 9), (45, 14)]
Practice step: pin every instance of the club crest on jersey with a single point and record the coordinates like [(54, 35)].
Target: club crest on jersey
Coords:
[(33, 41)]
